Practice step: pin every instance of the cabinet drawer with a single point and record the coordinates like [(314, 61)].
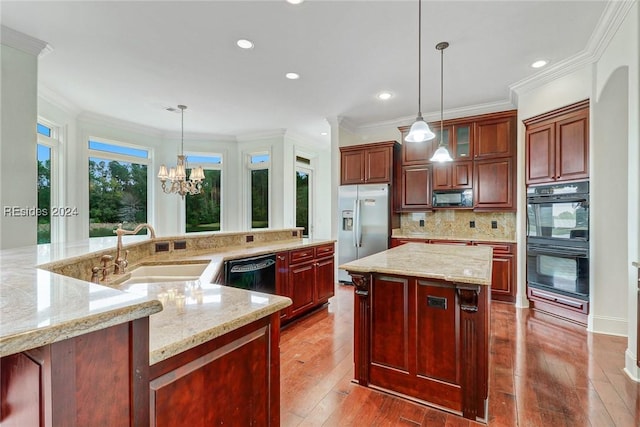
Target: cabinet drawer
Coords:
[(324, 250), (497, 247), (300, 255), (559, 305)]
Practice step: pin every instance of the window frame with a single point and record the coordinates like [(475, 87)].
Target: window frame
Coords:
[(106, 155), (258, 166), (206, 166), (310, 171), (54, 143)]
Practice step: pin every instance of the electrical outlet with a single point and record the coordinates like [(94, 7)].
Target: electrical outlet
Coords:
[(472, 224), (422, 223), (494, 224)]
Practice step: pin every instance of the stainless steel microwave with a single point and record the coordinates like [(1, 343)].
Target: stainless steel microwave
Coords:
[(453, 199)]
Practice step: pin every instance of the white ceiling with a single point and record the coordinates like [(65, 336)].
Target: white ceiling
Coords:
[(130, 60)]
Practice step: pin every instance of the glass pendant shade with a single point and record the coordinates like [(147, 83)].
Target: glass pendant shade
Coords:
[(420, 131), (441, 155)]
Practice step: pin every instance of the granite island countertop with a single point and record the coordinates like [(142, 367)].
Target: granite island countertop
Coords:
[(460, 264), (200, 312)]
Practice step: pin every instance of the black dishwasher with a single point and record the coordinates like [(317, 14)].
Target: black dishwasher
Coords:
[(254, 274)]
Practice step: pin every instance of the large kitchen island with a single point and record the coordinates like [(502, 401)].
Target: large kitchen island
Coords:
[(422, 324)]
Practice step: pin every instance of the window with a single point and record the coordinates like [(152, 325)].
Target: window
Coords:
[(117, 187), (303, 195), (44, 152), (202, 210), (50, 227), (259, 165)]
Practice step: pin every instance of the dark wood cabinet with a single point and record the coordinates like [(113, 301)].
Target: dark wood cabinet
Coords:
[(426, 339), (282, 280), (415, 186), (452, 175), (302, 279), (557, 145), (494, 187), (495, 137), (503, 275), (97, 379), (368, 163), (306, 276), (233, 379), (483, 148)]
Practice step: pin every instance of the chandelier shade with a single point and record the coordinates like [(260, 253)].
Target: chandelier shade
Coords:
[(174, 180)]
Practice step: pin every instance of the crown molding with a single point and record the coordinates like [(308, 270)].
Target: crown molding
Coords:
[(89, 118), (609, 23), (452, 113), (262, 135), (17, 40), (57, 100)]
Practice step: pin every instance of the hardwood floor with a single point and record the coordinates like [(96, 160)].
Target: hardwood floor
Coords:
[(543, 372)]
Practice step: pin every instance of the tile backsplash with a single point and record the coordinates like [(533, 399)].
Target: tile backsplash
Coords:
[(455, 224)]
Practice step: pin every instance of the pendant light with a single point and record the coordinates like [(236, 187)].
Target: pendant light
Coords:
[(419, 131), (441, 154), (178, 174)]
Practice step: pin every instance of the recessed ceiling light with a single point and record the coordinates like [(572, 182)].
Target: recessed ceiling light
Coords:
[(295, 1), (384, 95), (245, 44), (539, 64), (324, 133), (292, 76)]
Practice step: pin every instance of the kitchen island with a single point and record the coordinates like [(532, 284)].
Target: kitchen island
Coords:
[(421, 324), (182, 352)]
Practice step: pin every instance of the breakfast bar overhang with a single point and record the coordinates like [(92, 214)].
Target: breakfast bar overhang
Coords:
[(421, 324)]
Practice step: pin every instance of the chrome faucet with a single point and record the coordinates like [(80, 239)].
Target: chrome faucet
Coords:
[(120, 264)]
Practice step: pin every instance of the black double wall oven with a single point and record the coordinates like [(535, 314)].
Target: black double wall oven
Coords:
[(558, 238)]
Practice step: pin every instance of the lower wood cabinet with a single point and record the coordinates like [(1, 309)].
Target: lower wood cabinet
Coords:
[(231, 380), (423, 339), (97, 379), (306, 276), (503, 276)]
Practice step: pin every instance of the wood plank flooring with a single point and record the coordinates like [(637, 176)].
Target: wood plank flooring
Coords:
[(543, 372)]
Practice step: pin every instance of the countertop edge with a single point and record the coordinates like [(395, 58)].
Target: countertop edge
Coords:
[(166, 352), (461, 239), (452, 279), (35, 338)]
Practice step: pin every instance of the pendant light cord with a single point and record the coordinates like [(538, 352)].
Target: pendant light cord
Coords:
[(419, 56), (442, 96)]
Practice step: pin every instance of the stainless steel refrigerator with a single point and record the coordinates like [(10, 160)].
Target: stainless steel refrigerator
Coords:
[(363, 218)]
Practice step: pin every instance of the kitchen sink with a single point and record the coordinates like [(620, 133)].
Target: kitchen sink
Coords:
[(175, 272)]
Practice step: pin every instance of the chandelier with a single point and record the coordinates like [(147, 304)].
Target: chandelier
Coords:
[(179, 184)]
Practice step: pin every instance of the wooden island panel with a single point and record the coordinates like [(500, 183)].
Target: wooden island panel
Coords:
[(423, 335)]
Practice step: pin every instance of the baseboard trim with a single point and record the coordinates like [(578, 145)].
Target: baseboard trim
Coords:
[(609, 325)]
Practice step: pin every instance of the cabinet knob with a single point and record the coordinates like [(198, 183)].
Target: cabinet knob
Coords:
[(280, 257)]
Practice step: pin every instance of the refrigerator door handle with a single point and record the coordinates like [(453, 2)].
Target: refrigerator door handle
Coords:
[(354, 228), (358, 224)]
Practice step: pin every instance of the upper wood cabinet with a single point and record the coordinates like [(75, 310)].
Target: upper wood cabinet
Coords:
[(415, 187), (493, 187), (495, 136), (368, 163), (557, 145), (452, 175), (483, 148)]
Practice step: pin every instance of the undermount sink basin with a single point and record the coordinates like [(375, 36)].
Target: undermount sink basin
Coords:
[(166, 273)]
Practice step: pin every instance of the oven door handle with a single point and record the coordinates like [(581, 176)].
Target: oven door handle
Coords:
[(538, 200), (556, 251)]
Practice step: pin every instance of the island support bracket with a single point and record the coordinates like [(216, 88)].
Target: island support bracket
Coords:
[(474, 377), (362, 306)]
